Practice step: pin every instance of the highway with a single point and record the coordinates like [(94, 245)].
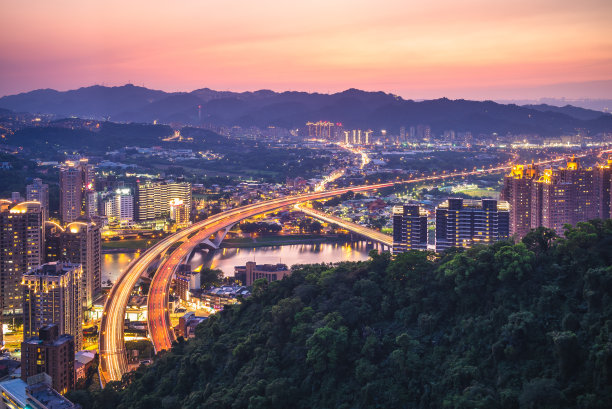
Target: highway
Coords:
[(354, 227), (113, 362)]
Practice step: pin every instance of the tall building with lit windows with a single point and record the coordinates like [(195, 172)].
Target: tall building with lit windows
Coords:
[(464, 223), (584, 203), (38, 191), (557, 196), (409, 228), (153, 198), (79, 243), (120, 207), (52, 294), (517, 191), (21, 241), (321, 129), (565, 195), (77, 196), (179, 212), (602, 179)]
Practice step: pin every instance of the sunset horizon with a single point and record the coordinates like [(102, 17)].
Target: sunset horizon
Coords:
[(472, 51)]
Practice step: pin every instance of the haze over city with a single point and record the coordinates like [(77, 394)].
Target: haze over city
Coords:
[(474, 49)]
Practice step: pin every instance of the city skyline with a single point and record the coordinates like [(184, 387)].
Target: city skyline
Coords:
[(474, 51)]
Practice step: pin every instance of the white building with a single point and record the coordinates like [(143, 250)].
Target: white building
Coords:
[(120, 207)]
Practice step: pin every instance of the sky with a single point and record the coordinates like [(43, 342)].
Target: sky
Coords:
[(473, 49)]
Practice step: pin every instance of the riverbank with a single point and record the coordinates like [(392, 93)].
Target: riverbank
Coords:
[(282, 240), (128, 246), (138, 245)]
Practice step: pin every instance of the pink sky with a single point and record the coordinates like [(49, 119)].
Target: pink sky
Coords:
[(417, 49)]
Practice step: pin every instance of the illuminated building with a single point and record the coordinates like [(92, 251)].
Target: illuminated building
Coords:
[(602, 179), (153, 198), (517, 191), (120, 207), (567, 195), (38, 191), (78, 243), (50, 353), (409, 228), (554, 197), (325, 130), (463, 223), (423, 132), (185, 281), (179, 212), (584, 196), (77, 196), (21, 241), (52, 294), (357, 137), (368, 135)]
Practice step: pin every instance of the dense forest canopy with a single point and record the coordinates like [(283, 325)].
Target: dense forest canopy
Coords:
[(525, 325)]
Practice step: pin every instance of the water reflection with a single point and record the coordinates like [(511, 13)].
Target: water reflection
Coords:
[(227, 258)]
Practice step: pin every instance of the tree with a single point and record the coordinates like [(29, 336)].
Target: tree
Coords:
[(539, 240), (210, 278)]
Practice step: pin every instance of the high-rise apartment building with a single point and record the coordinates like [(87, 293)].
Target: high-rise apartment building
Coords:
[(409, 228), (52, 294), (554, 197), (76, 188), (52, 353), (463, 223), (602, 180), (517, 191), (21, 241), (38, 191), (179, 212), (153, 198), (120, 207), (79, 243)]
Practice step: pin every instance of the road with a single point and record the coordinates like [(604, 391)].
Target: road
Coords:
[(113, 362), (375, 235)]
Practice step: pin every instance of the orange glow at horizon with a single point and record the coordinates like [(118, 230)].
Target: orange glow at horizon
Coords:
[(471, 48)]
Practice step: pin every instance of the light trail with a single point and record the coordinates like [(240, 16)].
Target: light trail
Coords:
[(113, 360), (375, 235)]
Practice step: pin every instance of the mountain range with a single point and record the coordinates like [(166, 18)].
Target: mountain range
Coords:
[(354, 108)]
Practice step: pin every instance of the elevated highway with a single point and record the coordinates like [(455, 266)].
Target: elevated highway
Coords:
[(371, 234), (113, 360)]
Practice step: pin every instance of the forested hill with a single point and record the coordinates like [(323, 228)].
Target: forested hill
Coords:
[(504, 326), (353, 107)]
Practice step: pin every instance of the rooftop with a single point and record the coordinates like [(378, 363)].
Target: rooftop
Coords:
[(49, 397), (15, 389), (53, 268), (58, 341)]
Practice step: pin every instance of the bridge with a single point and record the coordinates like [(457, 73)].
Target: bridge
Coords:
[(371, 234), (113, 360)]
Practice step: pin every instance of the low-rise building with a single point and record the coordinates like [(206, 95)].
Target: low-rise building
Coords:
[(83, 360), (187, 324), (52, 354), (34, 393), (250, 272)]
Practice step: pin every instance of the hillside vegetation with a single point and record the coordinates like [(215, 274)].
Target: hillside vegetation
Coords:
[(353, 107), (525, 325)]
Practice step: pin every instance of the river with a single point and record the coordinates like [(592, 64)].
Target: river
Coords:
[(225, 259)]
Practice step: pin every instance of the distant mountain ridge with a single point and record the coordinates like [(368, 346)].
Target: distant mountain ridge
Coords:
[(291, 109)]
